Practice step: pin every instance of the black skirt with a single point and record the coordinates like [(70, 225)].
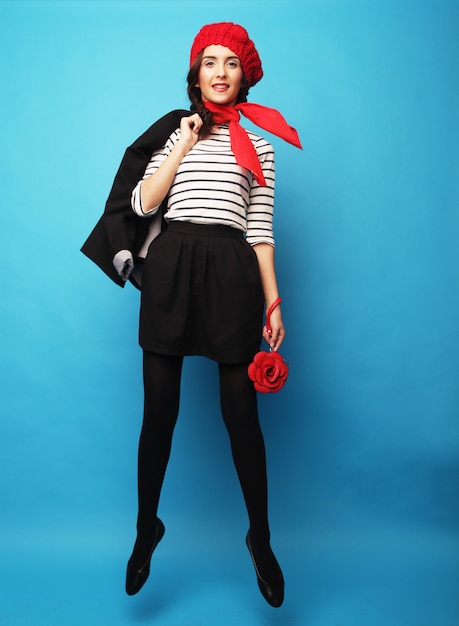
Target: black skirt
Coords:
[(201, 294)]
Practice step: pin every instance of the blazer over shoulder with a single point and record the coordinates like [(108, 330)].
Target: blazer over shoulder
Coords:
[(119, 228)]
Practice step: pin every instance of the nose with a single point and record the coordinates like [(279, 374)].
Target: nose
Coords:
[(221, 68)]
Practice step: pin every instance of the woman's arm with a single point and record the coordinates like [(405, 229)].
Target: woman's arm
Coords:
[(265, 256), (156, 186)]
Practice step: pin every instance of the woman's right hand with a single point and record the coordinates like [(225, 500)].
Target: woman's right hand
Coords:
[(155, 187), (190, 127)]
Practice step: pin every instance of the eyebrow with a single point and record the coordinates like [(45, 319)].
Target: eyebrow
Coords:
[(208, 56)]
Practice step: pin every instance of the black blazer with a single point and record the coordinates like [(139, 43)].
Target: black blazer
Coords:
[(120, 228)]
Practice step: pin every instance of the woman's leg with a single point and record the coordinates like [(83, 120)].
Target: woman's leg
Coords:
[(162, 376), (240, 413)]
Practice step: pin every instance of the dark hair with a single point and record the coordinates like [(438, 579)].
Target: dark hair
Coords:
[(194, 93)]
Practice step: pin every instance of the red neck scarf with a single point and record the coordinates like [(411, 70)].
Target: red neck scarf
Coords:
[(265, 117)]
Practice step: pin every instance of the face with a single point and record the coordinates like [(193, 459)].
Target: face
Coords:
[(220, 75)]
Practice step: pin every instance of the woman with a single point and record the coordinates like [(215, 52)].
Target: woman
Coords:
[(207, 277)]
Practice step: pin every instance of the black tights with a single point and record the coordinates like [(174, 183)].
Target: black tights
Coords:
[(238, 400)]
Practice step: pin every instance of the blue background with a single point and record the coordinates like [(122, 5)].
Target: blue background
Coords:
[(363, 442)]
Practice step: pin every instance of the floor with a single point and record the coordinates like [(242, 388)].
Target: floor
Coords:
[(398, 579)]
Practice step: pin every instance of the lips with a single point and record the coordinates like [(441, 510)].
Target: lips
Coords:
[(220, 87)]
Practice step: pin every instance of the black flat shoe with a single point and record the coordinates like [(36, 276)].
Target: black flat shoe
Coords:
[(273, 591), (136, 578)]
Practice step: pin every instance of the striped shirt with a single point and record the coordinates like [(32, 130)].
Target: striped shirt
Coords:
[(211, 188)]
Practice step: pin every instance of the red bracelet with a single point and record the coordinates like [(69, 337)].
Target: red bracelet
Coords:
[(276, 302)]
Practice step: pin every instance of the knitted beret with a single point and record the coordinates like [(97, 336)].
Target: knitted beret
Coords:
[(237, 39)]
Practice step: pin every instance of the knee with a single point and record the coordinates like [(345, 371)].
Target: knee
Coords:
[(241, 419)]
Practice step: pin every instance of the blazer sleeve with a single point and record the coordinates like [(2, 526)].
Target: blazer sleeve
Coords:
[(119, 228)]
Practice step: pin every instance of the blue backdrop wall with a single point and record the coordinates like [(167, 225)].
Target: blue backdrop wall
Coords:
[(363, 442)]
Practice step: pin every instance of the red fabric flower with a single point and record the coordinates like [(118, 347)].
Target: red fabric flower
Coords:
[(268, 371)]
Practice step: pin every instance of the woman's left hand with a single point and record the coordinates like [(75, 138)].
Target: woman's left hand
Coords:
[(277, 330)]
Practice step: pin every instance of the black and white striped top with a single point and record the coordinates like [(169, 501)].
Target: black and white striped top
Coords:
[(211, 188)]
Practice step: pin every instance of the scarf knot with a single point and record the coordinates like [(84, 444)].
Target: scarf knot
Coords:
[(241, 145)]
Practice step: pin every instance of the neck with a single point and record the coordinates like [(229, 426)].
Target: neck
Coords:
[(214, 105), (222, 113)]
